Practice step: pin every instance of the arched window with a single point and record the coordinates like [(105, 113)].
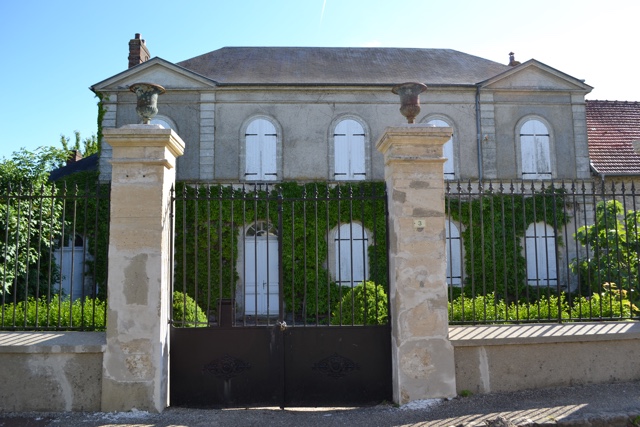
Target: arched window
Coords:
[(535, 152), (351, 245), (540, 252), (163, 121), (261, 140), (447, 150), (349, 151), (454, 254)]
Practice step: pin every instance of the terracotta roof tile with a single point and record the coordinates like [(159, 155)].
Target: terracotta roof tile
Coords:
[(612, 126)]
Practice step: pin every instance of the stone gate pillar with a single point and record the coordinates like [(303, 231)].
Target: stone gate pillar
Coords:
[(422, 356), (136, 361)]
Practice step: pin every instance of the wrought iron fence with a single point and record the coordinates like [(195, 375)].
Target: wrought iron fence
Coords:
[(53, 256), (254, 255), (538, 251)]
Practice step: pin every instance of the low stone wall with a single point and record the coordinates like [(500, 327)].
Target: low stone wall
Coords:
[(62, 371), (517, 357), (51, 371)]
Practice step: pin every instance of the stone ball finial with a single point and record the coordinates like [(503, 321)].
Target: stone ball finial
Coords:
[(147, 94), (409, 99)]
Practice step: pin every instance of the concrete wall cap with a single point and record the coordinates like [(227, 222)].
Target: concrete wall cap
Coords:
[(468, 336), (52, 342)]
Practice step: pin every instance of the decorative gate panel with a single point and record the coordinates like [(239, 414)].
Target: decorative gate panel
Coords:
[(270, 306)]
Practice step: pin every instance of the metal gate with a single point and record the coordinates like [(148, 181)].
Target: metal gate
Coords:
[(280, 296)]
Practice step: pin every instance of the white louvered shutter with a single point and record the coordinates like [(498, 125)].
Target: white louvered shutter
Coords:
[(541, 255), (535, 151), (351, 254), (269, 152), (349, 151), (454, 247), (261, 151)]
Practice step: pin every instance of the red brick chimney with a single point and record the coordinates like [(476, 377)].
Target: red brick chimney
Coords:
[(74, 156), (138, 52), (512, 59)]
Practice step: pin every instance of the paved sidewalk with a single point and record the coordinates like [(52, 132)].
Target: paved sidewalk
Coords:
[(612, 405)]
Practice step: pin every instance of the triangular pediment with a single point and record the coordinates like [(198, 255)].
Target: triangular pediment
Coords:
[(534, 75), (158, 71)]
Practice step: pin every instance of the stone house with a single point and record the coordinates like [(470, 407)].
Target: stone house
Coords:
[(304, 114), (314, 114)]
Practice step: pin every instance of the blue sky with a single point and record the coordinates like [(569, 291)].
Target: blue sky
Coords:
[(52, 51)]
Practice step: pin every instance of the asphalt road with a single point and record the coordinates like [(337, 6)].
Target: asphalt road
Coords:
[(609, 405)]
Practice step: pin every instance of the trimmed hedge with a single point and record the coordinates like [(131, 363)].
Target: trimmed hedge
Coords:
[(364, 304), (58, 313)]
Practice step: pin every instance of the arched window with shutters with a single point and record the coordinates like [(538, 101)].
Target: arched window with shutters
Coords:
[(535, 150), (447, 150), (349, 153), (261, 151)]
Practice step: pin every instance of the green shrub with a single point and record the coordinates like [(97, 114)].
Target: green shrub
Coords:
[(612, 303), (87, 314), (186, 313), (364, 304), (549, 307), (465, 309)]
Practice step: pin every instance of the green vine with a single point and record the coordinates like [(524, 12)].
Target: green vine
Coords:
[(210, 220), (494, 225), (102, 111)]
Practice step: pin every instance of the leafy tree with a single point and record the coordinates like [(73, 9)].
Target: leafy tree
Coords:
[(86, 146), (613, 248), (29, 224)]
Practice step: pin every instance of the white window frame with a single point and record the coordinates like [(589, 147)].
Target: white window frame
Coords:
[(354, 162), (534, 149), (263, 134)]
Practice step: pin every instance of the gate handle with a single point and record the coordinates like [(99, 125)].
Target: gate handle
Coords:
[(283, 325)]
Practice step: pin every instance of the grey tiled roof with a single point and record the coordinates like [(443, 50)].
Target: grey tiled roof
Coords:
[(82, 165), (342, 66)]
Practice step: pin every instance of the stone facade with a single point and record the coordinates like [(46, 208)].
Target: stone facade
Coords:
[(484, 114)]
